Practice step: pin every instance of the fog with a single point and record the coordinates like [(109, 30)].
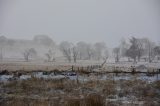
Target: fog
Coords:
[(81, 20), (79, 29), (79, 52)]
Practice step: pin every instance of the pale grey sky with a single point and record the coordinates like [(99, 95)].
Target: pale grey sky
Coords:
[(81, 20)]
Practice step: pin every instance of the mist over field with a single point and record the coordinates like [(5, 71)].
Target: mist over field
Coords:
[(91, 21), (79, 52), (81, 20)]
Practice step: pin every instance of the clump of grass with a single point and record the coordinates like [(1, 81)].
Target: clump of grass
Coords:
[(29, 102), (40, 86), (73, 102), (109, 88), (156, 84), (88, 100), (94, 100), (84, 71)]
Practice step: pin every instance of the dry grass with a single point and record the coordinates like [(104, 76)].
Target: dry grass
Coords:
[(30, 102), (65, 92), (89, 100), (73, 102), (94, 100), (63, 88)]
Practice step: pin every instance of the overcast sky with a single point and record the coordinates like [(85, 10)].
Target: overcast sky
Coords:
[(81, 20)]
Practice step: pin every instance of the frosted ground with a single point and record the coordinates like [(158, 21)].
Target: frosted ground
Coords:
[(41, 85)]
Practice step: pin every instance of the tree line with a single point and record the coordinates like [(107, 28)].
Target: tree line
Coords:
[(133, 49)]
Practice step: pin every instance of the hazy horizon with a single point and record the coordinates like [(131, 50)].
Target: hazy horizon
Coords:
[(84, 20)]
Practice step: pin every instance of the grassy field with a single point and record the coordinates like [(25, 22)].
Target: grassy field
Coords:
[(40, 92), (95, 91), (49, 66)]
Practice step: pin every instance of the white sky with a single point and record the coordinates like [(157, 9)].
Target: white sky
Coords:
[(81, 20)]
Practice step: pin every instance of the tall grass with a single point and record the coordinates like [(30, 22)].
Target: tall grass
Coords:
[(65, 92)]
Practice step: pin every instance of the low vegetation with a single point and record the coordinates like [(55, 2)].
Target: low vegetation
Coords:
[(66, 92)]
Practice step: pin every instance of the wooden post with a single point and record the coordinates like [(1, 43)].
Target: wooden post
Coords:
[(153, 72), (77, 77), (157, 74), (72, 67)]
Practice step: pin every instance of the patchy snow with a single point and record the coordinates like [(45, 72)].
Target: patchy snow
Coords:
[(25, 77), (84, 78), (50, 76), (5, 78)]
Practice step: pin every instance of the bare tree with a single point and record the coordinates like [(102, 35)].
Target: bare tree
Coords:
[(124, 46), (66, 49), (105, 57), (90, 51), (85, 50), (150, 50), (116, 52), (50, 55), (133, 51), (82, 49), (75, 53), (28, 53), (106, 54), (140, 48), (99, 47), (157, 52)]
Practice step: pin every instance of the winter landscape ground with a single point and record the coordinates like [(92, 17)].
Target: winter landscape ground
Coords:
[(62, 84), (39, 72)]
